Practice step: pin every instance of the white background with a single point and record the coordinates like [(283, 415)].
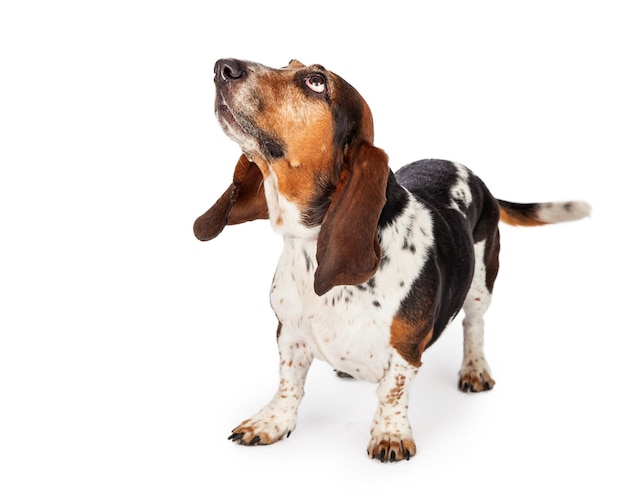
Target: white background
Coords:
[(129, 350)]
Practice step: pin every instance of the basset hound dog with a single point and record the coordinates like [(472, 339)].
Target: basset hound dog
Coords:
[(375, 264)]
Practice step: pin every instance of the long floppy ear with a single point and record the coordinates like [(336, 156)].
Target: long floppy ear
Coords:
[(244, 200), (348, 250)]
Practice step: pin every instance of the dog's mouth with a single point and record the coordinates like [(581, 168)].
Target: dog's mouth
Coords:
[(235, 127), (226, 116), (245, 133)]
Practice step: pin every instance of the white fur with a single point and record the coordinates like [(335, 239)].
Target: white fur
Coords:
[(557, 212), (284, 215), (477, 302), (344, 327), (460, 192)]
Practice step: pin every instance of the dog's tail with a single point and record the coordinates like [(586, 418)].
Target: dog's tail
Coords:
[(537, 214)]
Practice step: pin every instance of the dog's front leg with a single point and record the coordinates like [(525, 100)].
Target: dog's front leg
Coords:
[(391, 435), (278, 418)]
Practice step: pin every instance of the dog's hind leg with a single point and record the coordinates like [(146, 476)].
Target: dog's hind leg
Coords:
[(475, 373)]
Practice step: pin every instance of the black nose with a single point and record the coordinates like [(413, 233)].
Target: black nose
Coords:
[(229, 69)]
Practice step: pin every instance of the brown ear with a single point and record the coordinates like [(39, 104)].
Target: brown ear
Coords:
[(348, 250), (244, 200)]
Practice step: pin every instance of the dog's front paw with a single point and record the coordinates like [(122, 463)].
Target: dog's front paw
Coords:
[(475, 377), (388, 447), (262, 430)]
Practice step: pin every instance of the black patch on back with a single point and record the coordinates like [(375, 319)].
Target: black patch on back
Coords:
[(429, 181)]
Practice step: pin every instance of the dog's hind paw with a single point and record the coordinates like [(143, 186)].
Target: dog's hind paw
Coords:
[(475, 377)]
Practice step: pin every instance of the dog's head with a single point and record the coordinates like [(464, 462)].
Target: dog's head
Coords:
[(312, 133)]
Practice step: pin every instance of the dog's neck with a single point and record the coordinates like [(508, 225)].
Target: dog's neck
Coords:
[(285, 216)]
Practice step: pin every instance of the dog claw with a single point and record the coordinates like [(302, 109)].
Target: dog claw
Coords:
[(391, 449), (475, 378), (235, 437)]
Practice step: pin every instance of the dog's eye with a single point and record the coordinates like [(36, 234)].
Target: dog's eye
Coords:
[(316, 82)]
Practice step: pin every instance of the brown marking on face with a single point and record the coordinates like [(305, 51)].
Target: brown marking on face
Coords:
[(303, 124), (310, 134), (286, 127)]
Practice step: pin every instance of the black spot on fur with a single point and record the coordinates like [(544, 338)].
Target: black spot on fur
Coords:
[(410, 246), (308, 260), (384, 261), (272, 147), (274, 150)]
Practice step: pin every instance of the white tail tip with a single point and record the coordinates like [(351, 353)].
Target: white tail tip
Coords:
[(558, 212)]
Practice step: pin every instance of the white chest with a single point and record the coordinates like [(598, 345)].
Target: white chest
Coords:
[(349, 326)]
